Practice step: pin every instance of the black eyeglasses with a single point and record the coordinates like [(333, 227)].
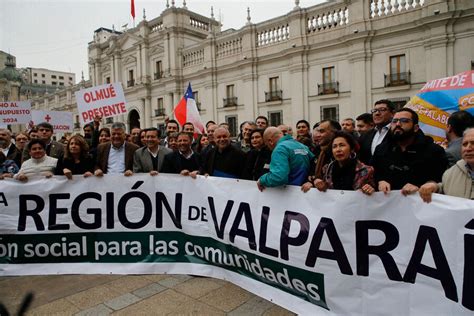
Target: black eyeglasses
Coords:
[(402, 120), (381, 110)]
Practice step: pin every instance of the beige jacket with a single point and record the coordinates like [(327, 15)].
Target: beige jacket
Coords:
[(457, 181)]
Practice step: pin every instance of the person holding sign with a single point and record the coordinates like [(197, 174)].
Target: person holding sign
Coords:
[(345, 172), (39, 163), (117, 156)]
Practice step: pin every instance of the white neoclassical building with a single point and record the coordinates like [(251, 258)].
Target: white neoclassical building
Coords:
[(331, 60)]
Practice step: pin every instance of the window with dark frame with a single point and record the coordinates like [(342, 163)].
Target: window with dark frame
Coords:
[(275, 94), (330, 112), (275, 118), (158, 70), (196, 99), (329, 85), (131, 80), (231, 120), (398, 73), (160, 111), (230, 99)]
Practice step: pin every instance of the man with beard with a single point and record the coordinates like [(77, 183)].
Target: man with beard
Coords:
[(408, 159)]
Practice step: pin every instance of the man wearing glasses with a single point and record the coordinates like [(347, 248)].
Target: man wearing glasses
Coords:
[(409, 158), (382, 115)]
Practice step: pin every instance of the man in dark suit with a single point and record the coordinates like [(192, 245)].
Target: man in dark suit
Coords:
[(115, 157), (224, 160), (183, 161), (150, 158), (9, 149), (382, 114), (53, 148)]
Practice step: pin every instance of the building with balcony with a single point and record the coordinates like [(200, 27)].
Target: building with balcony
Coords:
[(331, 60)]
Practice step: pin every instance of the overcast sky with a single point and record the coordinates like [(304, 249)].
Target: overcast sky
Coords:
[(54, 34)]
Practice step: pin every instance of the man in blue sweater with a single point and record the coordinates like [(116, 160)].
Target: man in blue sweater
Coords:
[(290, 162)]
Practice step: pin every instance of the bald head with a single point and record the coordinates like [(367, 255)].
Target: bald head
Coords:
[(222, 138), (271, 136)]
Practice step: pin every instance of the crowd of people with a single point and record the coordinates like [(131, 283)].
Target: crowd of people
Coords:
[(383, 150)]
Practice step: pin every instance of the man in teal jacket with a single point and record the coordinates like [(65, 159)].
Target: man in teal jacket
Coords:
[(290, 162)]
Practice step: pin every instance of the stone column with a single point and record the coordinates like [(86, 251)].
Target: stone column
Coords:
[(147, 113)]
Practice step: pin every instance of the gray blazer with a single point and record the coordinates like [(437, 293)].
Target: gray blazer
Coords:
[(142, 162)]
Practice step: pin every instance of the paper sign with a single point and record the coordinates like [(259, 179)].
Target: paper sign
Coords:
[(62, 121), (15, 112), (106, 100)]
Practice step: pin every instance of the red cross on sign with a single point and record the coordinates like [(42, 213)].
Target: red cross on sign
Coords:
[(47, 118)]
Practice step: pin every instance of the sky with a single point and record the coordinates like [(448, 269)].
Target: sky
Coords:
[(54, 34)]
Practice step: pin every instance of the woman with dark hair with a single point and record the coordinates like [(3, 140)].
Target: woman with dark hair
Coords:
[(104, 135), (258, 158), (345, 172), (77, 159), (38, 164), (202, 142), (303, 129)]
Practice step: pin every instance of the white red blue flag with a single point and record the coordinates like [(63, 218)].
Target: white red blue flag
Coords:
[(186, 111)]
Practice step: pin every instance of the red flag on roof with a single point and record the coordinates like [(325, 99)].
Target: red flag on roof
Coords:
[(186, 111), (133, 9)]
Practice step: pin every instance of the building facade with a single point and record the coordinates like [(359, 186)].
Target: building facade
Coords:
[(42, 76), (331, 60)]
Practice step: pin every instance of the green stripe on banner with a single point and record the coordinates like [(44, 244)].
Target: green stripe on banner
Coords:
[(160, 247)]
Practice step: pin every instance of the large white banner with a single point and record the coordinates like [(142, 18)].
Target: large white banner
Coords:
[(106, 100), (15, 112), (61, 120), (317, 253)]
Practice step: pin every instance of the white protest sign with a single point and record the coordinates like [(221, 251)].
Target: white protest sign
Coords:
[(62, 121), (15, 112), (106, 100), (315, 253)]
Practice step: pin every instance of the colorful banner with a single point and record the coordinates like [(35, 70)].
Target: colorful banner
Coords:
[(62, 121), (106, 100), (313, 253), (441, 97), (15, 112)]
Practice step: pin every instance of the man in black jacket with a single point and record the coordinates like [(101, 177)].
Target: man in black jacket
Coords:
[(224, 160), (184, 161), (408, 159), (9, 149), (382, 115)]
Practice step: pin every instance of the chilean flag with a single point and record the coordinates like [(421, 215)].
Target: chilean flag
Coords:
[(186, 111), (132, 9)]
